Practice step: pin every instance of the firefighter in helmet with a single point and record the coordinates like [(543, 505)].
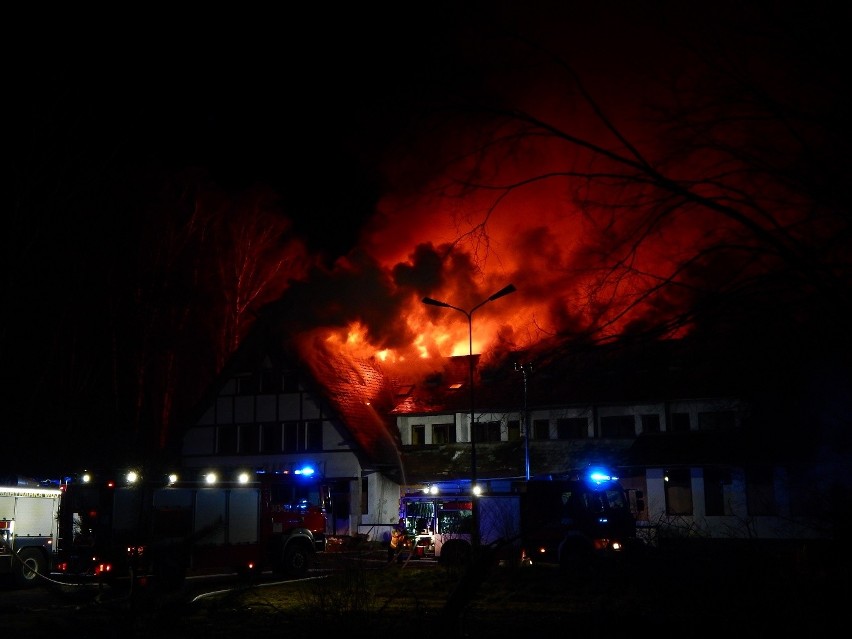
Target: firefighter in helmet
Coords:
[(397, 539)]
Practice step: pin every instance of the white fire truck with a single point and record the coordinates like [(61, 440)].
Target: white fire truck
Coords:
[(29, 529), (562, 519)]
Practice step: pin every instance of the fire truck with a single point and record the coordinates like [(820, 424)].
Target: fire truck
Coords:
[(439, 523), (574, 518), (135, 530), (29, 528), (557, 519)]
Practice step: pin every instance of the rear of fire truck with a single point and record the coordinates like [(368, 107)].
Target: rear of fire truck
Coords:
[(439, 523)]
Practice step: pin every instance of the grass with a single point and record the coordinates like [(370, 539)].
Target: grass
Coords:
[(731, 592), (727, 592)]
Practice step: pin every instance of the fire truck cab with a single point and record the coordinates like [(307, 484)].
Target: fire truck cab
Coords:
[(572, 518)]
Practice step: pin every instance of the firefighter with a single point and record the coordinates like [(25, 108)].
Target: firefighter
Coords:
[(397, 539)]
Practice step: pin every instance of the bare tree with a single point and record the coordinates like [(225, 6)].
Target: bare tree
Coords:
[(206, 262), (718, 196)]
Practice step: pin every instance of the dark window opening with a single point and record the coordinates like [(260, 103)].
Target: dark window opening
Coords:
[(678, 489), (650, 423), (760, 491), (488, 431), (270, 438), (418, 435), (717, 420), (572, 428), (618, 426), (365, 496), (715, 480), (313, 436), (541, 429), (249, 439), (291, 436), (514, 430), (444, 434), (226, 440)]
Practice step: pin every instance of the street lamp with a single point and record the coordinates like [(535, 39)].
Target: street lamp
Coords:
[(525, 371), (475, 533)]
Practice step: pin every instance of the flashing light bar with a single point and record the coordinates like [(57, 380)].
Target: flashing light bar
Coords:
[(599, 476)]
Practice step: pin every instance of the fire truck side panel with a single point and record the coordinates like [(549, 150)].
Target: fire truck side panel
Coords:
[(127, 510), (243, 516), (29, 532), (500, 518), (172, 514), (210, 511)]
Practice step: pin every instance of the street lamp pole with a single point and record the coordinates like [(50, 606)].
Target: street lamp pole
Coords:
[(475, 533), (525, 369)]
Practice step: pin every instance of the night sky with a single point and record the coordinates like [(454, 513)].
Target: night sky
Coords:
[(658, 170)]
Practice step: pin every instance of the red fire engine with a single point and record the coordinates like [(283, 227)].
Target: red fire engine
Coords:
[(165, 530)]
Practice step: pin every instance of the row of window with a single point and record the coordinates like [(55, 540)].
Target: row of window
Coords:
[(760, 492), (611, 426), (278, 437)]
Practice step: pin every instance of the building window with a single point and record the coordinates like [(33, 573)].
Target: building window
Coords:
[(365, 496), (493, 432), (572, 428), (302, 436), (444, 434), (715, 481), (541, 429), (270, 438), (249, 439), (488, 431), (418, 435), (618, 426), (650, 423), (717, 420), (678, 487), (514, 430), (291, 436), (679, 423), (226, 439), (313, 436), (760, 491)]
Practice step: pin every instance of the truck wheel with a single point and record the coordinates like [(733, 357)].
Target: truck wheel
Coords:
[(31, 565), (297, 559)]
